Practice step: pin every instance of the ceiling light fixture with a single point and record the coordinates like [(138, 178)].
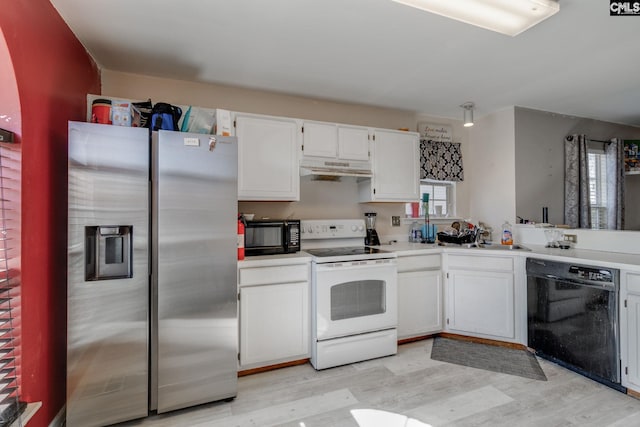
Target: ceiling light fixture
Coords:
[(468, 114), (510, 17)]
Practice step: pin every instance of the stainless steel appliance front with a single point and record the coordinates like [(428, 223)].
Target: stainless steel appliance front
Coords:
[(194, 346), (183, 320), (107, 320)]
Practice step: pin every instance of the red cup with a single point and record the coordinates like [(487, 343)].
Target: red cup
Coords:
[(415, 210), (101, 111)]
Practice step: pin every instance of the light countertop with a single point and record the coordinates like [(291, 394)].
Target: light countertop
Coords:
[(275, 260), (602, 258), (617, 260)]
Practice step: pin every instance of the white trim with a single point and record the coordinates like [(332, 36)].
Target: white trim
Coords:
[(27, 414)]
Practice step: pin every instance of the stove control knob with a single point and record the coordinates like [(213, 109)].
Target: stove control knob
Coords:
[(354, 228), (361, 228), (310, 229)]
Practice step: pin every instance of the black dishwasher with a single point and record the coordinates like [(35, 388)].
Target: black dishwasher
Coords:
[(572, 317)]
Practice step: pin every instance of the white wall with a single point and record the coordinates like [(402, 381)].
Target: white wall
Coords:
[(322, 200), (491, 170)]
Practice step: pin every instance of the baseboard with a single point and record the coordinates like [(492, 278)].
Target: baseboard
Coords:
[(414, 339), (400, 342), (633, 393), (60, 419), (272, 367), (482, 340)]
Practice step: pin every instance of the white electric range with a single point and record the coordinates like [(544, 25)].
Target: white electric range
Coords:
[(353, 294)]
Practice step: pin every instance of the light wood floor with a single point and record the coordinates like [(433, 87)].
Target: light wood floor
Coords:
[(410, 390)]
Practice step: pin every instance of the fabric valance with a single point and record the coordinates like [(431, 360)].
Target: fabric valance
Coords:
[(441, 161)]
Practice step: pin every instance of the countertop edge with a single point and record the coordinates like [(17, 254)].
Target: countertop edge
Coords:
[(622, 261)]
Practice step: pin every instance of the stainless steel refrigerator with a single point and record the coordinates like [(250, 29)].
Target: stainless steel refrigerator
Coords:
[(151, 287)]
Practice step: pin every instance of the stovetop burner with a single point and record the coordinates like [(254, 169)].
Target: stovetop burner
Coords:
[(346, 252)]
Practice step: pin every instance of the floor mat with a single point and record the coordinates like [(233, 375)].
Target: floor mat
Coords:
[(489, 357)]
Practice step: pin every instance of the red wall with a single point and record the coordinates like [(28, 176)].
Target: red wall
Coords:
[(53, 73)]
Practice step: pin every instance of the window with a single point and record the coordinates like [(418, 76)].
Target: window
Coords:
[(442, 196), (10, 400), (597, 162)]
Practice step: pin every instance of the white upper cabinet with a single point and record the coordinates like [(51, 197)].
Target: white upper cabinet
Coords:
[(335, 141), (320, 139), (353, 142), (268, 155), (396, 168)]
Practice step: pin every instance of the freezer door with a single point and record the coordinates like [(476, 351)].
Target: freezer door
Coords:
[(107, 308), (195, 255)]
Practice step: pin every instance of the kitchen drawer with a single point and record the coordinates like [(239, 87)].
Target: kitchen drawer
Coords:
[(633, 283), (492, 263), (269, 275), (418, 262)]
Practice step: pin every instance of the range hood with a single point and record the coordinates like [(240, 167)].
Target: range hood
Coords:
[(335, 167)]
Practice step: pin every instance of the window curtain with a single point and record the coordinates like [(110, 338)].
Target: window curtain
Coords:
[(441, 161), (614, 153), (577, 208)]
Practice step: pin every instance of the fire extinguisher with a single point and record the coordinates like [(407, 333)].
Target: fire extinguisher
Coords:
[(240, 237)]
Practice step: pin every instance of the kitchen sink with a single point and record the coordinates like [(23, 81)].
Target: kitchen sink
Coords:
[(508, 247), (487, 245), (498, 246)]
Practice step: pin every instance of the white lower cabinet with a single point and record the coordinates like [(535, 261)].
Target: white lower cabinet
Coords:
[(274, 315), (630, 330), (419, 295), (480, 296)]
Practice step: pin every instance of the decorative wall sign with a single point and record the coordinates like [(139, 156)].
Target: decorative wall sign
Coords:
[(437, 133)]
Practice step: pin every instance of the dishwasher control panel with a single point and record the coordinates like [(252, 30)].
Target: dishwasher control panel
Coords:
[(593, 274)]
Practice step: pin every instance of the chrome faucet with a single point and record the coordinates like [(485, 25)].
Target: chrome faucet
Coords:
[(479, 231)]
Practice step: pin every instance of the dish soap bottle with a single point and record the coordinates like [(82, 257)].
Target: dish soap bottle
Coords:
[(507, 234), (415, 234)]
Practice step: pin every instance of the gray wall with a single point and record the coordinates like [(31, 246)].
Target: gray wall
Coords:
[(539, 161)]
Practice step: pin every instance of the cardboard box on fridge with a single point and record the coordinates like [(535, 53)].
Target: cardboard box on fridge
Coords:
[(223, 122), (121, 113)]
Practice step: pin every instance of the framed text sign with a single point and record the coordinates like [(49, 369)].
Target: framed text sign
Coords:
[(432, 132)]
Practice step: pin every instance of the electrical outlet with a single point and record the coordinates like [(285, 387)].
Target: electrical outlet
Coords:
[(573, 238), (395, 221)]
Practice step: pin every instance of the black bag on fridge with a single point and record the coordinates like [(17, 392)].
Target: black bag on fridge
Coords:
[(165, 116)]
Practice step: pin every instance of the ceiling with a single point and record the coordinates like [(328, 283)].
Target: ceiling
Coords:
[(580, 62)]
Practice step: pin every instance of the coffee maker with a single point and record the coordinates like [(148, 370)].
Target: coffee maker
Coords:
[(372, 236)]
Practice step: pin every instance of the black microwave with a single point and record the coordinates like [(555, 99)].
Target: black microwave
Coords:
[(269, 236)]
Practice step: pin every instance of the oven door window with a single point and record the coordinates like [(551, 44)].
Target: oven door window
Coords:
[(358, 298)]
